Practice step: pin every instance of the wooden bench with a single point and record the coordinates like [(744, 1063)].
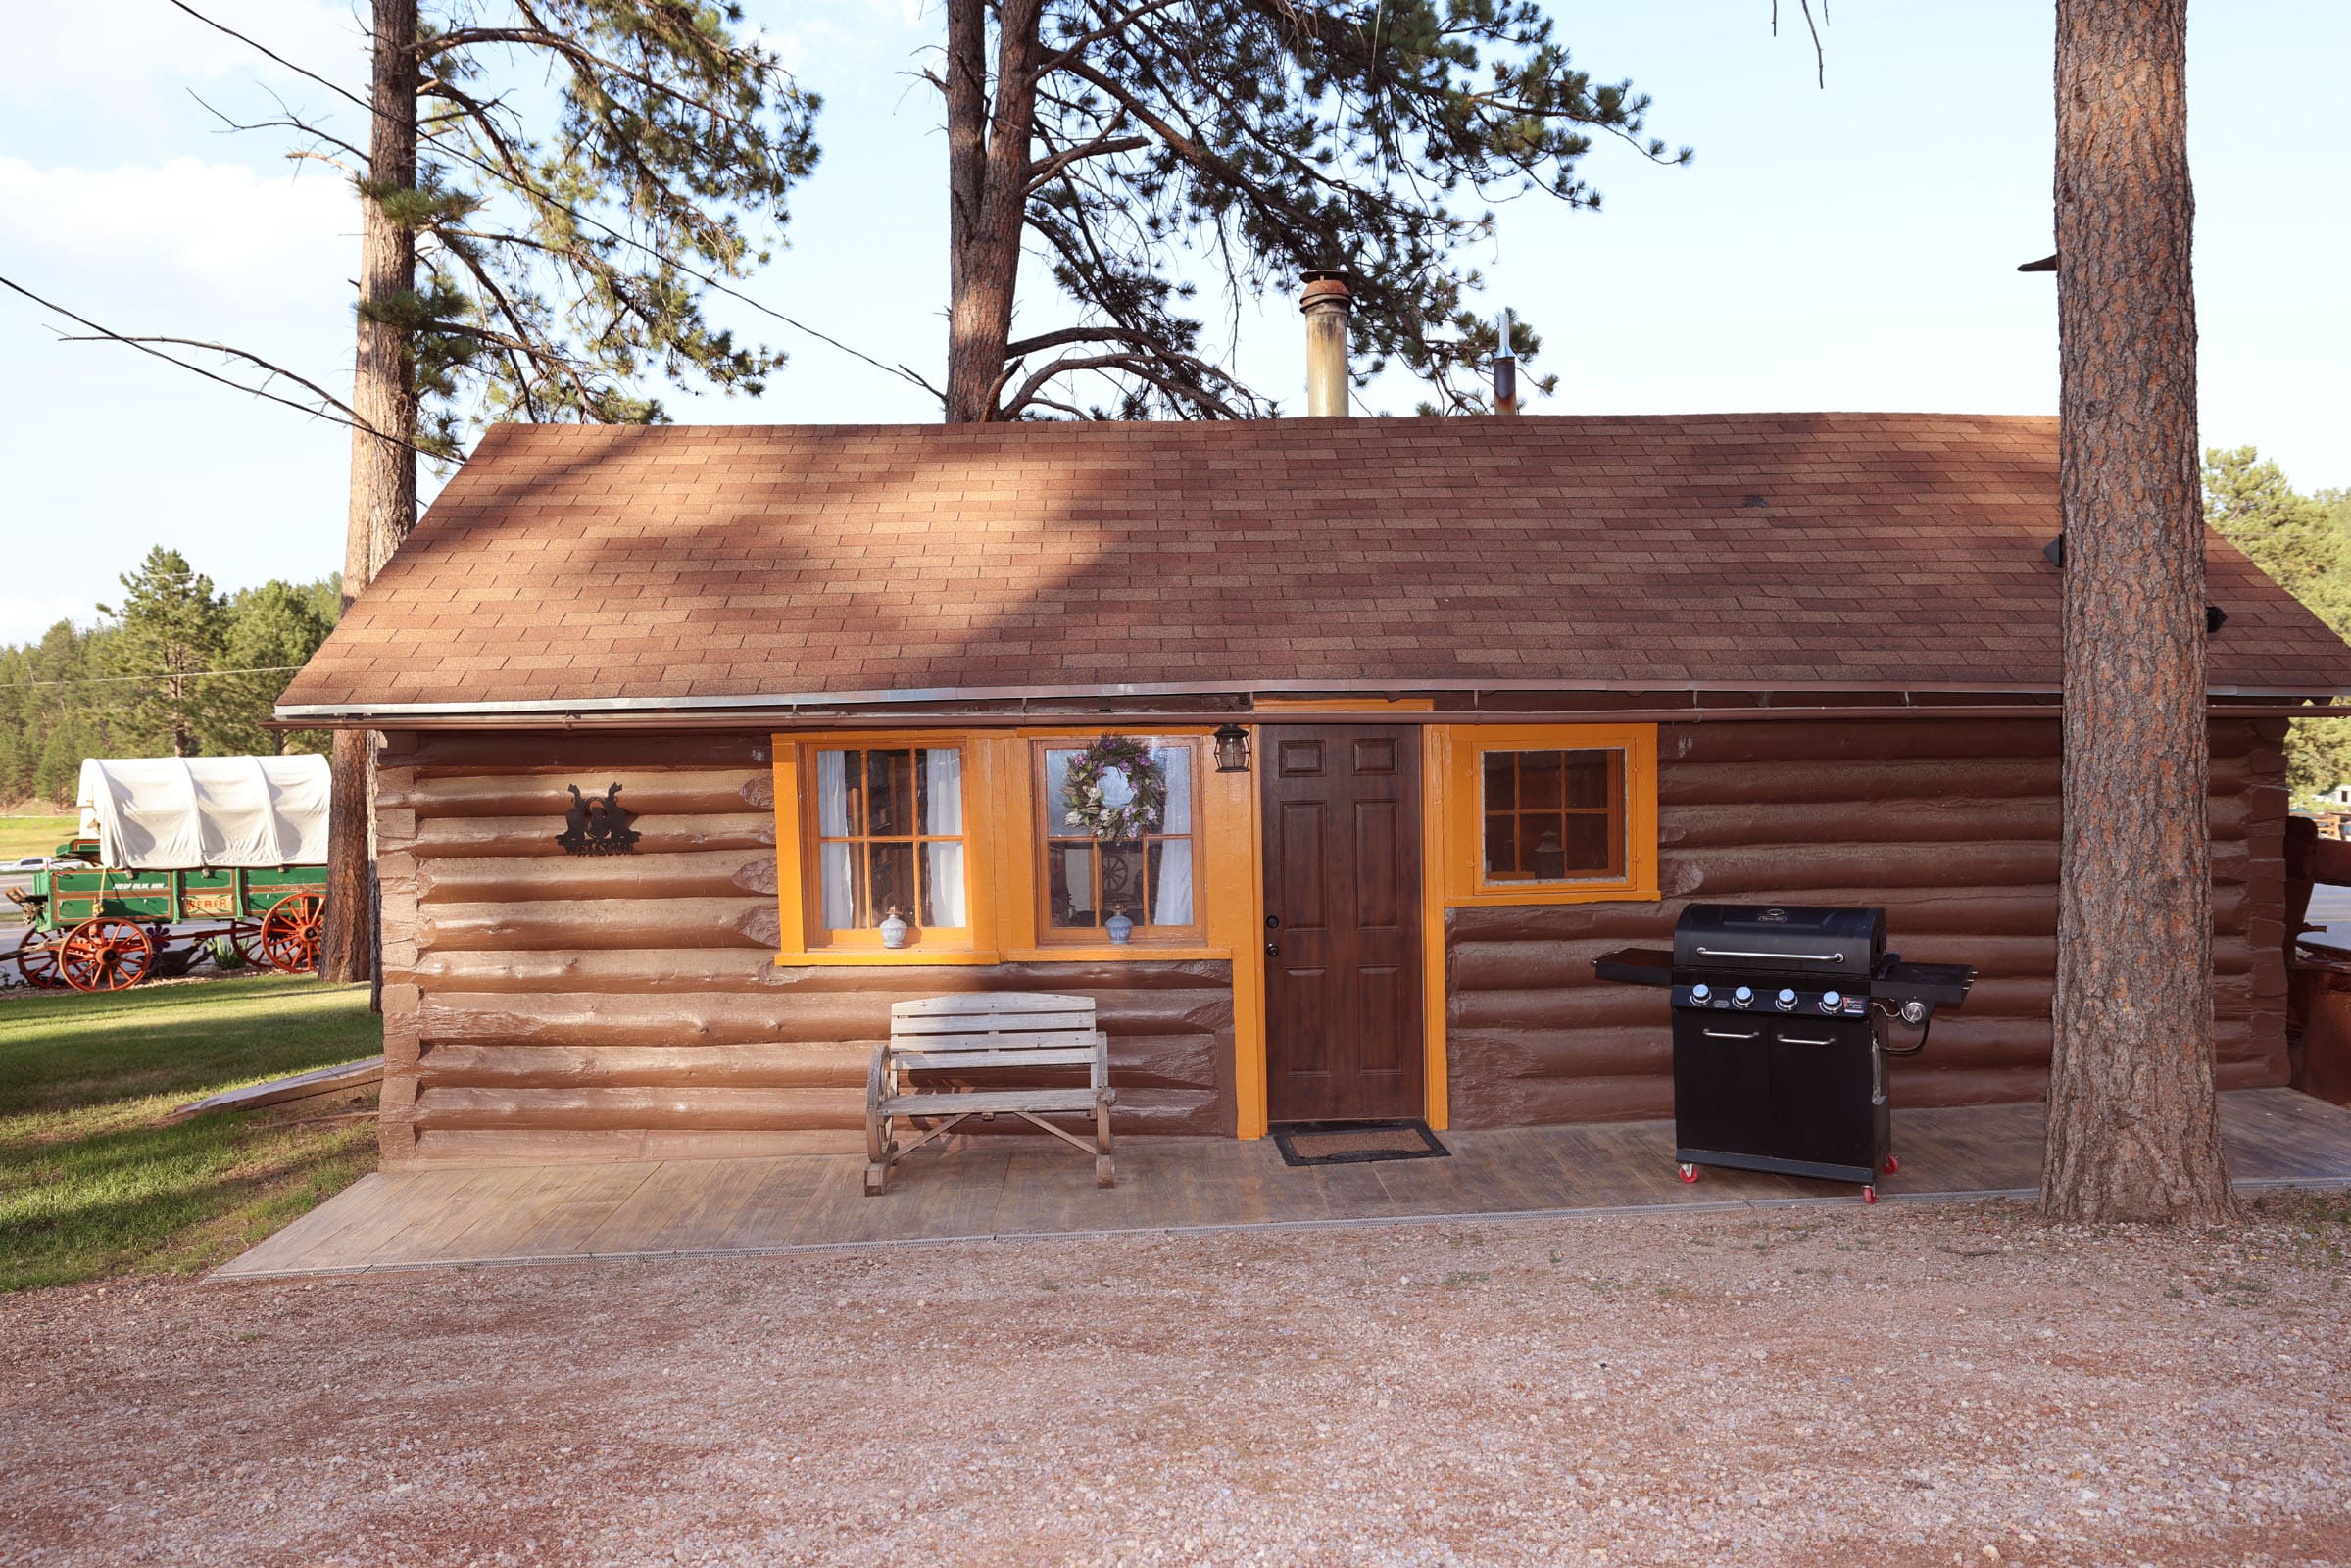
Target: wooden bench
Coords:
[(961, 1034)]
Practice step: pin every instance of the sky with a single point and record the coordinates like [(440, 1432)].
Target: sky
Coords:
[(1847, 246)]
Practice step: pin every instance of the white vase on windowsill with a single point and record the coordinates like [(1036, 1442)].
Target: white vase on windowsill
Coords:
[(1119, 927), (894, 929)]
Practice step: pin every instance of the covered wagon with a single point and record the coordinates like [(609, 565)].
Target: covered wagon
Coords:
[(177, 854)]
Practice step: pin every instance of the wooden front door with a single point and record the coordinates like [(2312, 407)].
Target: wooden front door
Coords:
[(1343, 921)]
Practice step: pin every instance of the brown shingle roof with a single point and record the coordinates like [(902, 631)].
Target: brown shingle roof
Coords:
[(571, 564)]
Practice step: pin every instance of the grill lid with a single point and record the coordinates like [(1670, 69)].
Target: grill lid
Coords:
[(1786, 937)]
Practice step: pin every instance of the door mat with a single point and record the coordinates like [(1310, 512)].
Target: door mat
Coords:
[(1357, 1143)]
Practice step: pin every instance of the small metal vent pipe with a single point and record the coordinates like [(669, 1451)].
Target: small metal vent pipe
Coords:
[(1327, 305)]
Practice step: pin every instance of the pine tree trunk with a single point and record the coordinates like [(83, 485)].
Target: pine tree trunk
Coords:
[(2134, 1127), (988, 148), (383, 471)]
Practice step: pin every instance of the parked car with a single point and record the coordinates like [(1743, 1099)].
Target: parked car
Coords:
[(31, 863)]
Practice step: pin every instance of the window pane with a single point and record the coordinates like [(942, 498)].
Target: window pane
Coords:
[(1056, 781), (1539, 853), (1070, 884), (1122, 880), (943, 884), (889, 871), (1175, 765), (1588, 849), (1171, 882), (1502, 781), (1501, 852), (1590, 775), (1537, 780), (837, 867), (889, 794), (832, 792), (943, 791)]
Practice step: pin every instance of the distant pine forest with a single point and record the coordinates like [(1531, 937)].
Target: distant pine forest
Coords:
[(173, 667)]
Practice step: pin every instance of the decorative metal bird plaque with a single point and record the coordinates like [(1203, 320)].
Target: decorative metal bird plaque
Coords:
[(598, 824)]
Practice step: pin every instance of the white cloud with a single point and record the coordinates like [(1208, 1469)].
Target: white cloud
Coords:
[(55, 50), (225, 225)]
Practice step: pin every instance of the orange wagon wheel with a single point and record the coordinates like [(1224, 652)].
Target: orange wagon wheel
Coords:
[(290, 932), (36, 960), (106, 953)]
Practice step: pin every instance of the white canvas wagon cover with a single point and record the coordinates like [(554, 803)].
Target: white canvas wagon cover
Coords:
[(185, 813)]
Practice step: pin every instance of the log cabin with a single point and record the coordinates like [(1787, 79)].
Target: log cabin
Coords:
[(1425, 713)]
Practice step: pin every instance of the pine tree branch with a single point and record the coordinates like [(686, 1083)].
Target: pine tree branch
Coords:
[(145, 345)]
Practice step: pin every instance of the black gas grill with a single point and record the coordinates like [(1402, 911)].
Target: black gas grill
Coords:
[(1780, 1035)]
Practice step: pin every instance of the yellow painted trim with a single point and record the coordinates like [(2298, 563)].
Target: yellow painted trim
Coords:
[(1097, 952), (1435, 1092), (1236, 880), (881, 957), (1458, 852), (1344, 705), (791, 897)]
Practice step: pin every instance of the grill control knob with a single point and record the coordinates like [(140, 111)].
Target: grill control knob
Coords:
[(1831, 1001), (1701, 993), (1787, 1001), (1743, 996)]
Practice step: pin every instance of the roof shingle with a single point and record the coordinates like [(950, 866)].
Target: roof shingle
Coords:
[(570, 563)]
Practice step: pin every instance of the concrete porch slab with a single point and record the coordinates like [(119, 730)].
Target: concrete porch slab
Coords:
[(674, 1208)]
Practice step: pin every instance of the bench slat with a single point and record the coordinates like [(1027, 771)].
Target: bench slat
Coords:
[(951, 1103), (991, 1001), (965, 1024), (951, 1060), (1056, 1040)]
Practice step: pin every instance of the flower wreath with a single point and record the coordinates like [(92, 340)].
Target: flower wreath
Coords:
[(1114, 790)]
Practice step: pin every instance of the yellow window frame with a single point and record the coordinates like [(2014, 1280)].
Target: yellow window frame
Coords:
[(1458, 810)]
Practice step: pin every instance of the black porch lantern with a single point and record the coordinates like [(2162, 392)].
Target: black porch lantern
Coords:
[(1231, 748)]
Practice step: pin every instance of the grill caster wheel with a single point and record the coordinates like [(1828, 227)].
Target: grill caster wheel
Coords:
[(1868, 1195), (1893, 1165), (1689, 1173)]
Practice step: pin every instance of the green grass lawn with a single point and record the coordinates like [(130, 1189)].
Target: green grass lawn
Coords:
[(90, 1186), (21, 836)]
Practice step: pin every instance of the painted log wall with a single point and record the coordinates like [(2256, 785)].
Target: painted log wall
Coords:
[(539, 1005), (1952, 825)]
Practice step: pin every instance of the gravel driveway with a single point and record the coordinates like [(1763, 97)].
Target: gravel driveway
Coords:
[(1884, 1386)]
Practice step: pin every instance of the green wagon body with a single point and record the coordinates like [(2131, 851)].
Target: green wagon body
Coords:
[(98, 927), (63, 898)]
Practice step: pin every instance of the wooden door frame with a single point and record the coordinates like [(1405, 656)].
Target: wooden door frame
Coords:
[(1253, 1070)]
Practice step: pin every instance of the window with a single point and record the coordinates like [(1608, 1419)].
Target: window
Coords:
[(1553, 813), (1082, 882), (890, 835)]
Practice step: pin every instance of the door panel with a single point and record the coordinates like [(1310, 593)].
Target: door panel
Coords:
[(1343, 973)]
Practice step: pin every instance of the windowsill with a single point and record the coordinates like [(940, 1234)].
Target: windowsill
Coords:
[(881, 957), (1552, 895), (1092, 953), (1095, 952)]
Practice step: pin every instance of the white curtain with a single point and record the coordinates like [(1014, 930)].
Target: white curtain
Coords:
[(832, 859), (942, 785), (1171, 899)]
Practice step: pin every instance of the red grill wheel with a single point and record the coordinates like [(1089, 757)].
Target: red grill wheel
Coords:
[(1689, 1173), (1868, 1195), (1893, 1165)]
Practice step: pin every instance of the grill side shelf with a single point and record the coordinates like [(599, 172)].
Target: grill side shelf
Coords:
[(1640, 966), (1946, 983)]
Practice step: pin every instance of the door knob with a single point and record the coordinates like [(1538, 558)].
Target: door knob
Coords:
[(1273, 950), (1273, 922)]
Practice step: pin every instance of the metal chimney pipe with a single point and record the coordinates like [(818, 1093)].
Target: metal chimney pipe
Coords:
[(1327, 305), (1506, 366)]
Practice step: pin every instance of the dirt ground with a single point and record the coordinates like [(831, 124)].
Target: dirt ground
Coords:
[(1888, 1387)]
